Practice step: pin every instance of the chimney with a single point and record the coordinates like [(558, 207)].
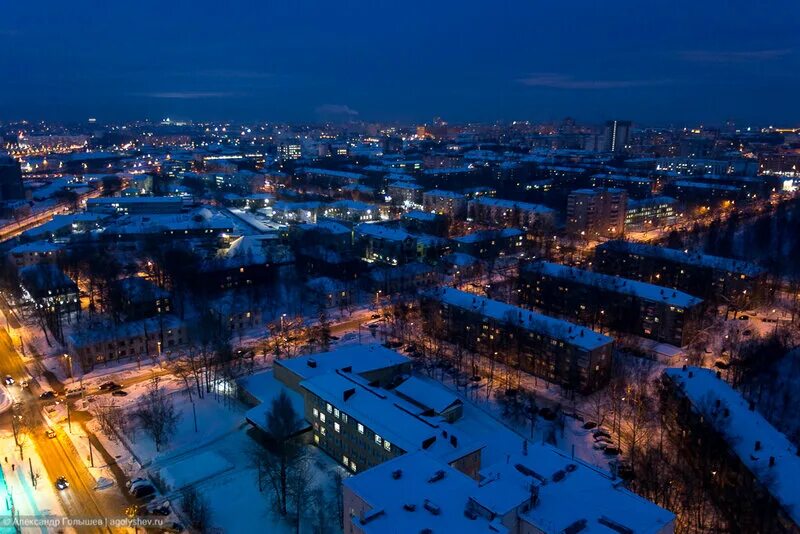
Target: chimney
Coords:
[(684, 367), (454, 441), (397, 473), (312, 363)]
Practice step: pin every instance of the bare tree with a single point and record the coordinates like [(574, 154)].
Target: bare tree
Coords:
[(282, 452), (196, 509), (157, 414)]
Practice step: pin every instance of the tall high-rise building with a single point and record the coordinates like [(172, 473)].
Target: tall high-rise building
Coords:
[(594, 213), (11, 187), (616, 136)]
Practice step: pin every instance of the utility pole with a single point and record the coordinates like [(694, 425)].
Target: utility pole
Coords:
[(91, 455), (33, 477), (194, 413), (69, 420)]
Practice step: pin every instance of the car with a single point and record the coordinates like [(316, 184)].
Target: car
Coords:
[(588, 425), (747, 333), (744, 318), (142, 491), (160, 509), (110, 386), (76, 391), (334, 338), (62, 483), (50, 433), (611, 451), (599, 446), (119, 393), (601, 432), (375, 316), (8, 380), (48, 395), (134, 481)]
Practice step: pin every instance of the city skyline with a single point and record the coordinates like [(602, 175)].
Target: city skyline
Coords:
[(466, 62)]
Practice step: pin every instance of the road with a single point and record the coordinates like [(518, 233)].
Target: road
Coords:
[(58, 454)]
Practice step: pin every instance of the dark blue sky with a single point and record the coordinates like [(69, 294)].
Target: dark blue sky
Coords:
[(652, 61)]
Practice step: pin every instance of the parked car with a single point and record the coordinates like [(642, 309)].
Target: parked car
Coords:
[(61, 483), (48, 395), (160, 509), (588, 425), (134, 481), (109, 386), (142, 491), (600, 432), (76, 391), (599, 445), (611, 451), (119, 393), (50, 433), (8, 380)]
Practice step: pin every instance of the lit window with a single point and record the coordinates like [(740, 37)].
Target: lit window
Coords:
[(329, 408), (387, 445), (336, 413), (316, 412), (345, 460), (322, 417), (344, 417), (360, 428), (316, 438), (378, 439), (336, 427), (323, 430), (353, 466)]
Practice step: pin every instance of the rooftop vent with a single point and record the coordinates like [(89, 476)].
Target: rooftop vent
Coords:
[(348, 393), (454, 441), (559, 475), (758, 445), (615, 526), (772, 461), (437, 476), (409, 507), (432, 508), (312, 363), (575, 527), (397, 473)]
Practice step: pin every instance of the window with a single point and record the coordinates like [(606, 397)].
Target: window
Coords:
[(316, 412), (336, 413), (316, 439), (344, 417), (353, 466), (387, 445), (336, 427), (323, 430), (345, 460), (360, 428), (322, 417), (329, 408), (378, 439)]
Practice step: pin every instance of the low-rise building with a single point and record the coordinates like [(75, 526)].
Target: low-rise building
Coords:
[(604, 301), (750, 469), (489, 244), (386, 244), (650, 213), (48, 287), (33, 253), (556, 350), (449, 203), (510, 213), (735, 281)]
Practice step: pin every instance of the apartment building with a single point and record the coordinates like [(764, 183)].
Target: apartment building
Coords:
[(608, 302), (556, 350)]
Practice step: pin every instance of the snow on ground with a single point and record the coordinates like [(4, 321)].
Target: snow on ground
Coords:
[(28, 501), (194, 469), (5, 399)]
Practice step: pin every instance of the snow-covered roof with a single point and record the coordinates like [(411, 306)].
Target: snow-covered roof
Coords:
[(360, 358), (742, 428), (484, 235), (422, 393), (330, 172), (652, 201), (616, 284), (567, 332), (111, 332), (420, 215), (623, 178), (380, 231), (42, 247), (405, 185), (265, 388), (414, 492), (459, 259), (512, 204), (684, 257), (568, 493)]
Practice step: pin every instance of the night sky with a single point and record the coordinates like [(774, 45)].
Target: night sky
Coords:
[(652, 61)]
